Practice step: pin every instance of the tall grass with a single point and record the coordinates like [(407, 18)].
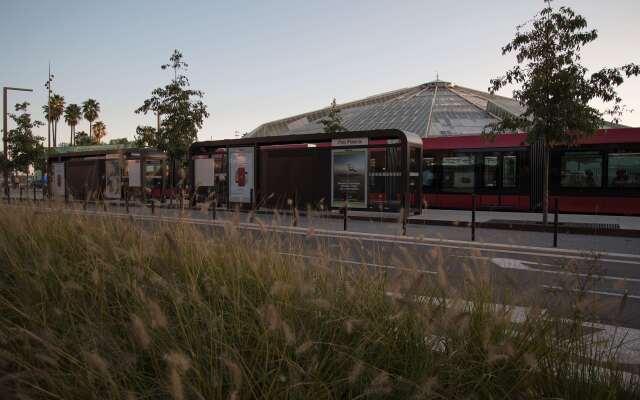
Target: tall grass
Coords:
[(99, 308)]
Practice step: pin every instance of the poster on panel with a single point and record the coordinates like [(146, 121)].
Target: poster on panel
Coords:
[(58, 182), (113, 178), (204, 172), (241, 174), (133, 172), (349, 177)]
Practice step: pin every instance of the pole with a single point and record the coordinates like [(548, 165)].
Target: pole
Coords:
[(4, 141), (34, 192), (20, 193), (555, 224), (295, 209), (403, 215), (346, 207), (214, 206), (126, 198), (473, 217), (153, 207)]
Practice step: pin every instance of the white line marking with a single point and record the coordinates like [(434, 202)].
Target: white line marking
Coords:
[(335, 260), (600, 292), (520, 265)]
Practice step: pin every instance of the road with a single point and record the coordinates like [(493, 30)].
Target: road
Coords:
[(600, 269)]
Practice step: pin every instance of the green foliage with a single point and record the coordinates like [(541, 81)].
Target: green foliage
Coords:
[(101, 307), (146, 137), (119, 141), (181, 110), (72, 115), (554, 87), (24, 148), (333, 122), (90, 111), (99, 131), (82, 139)]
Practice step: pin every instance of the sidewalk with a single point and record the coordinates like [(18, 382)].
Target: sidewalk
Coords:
[(614, 225)]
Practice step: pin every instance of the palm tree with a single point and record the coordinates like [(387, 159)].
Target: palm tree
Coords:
[(56, 104), (99, 131), (72, 115), (90, 110), (56, 107)]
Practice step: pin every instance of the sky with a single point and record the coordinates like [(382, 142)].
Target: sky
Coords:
[(258, 61)]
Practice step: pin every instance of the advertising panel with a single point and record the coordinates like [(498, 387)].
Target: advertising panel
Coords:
[(204, 172), (349, 177), (113, 178), (133, 171), (241, 174), (58, 183)]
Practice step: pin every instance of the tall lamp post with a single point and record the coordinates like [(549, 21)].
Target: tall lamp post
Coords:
[(5, 113)]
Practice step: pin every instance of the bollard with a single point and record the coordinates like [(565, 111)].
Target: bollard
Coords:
[(346, 207), (213, 208), (34, 194), (20, 193), (555, 225), (403, 215), (404, 222), (251, 205), (295, 209), (473, 217), (153, 207), (126, 198)]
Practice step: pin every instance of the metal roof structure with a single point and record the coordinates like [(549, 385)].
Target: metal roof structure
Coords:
[(431, 109)]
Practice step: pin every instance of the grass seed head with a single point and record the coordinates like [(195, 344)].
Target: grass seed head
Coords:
[(140, 331)]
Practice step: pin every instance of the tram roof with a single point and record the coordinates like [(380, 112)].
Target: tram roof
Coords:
[(411, 138)]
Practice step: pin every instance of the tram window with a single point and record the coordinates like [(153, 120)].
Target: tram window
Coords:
[(427, 172), (509, 171), (581, 169), (490, 171), (153, 175), (624, 170), (458, 172)]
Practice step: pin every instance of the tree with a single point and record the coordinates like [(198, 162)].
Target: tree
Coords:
[(23, 147), (554, 87), (90, 111), (53, 111), (145, 136), (82, 139), (119, 141), (333, 122), (99, 131), (72, 115), (181, 110)]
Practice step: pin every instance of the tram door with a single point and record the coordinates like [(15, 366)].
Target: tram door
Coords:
[(498, 180)]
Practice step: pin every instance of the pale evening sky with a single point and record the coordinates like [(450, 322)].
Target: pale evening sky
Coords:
[(262, 60)]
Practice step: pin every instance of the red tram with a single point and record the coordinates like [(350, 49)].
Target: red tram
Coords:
[(599, 175)]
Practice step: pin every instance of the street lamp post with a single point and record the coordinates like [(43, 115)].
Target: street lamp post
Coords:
[(5, 114)]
